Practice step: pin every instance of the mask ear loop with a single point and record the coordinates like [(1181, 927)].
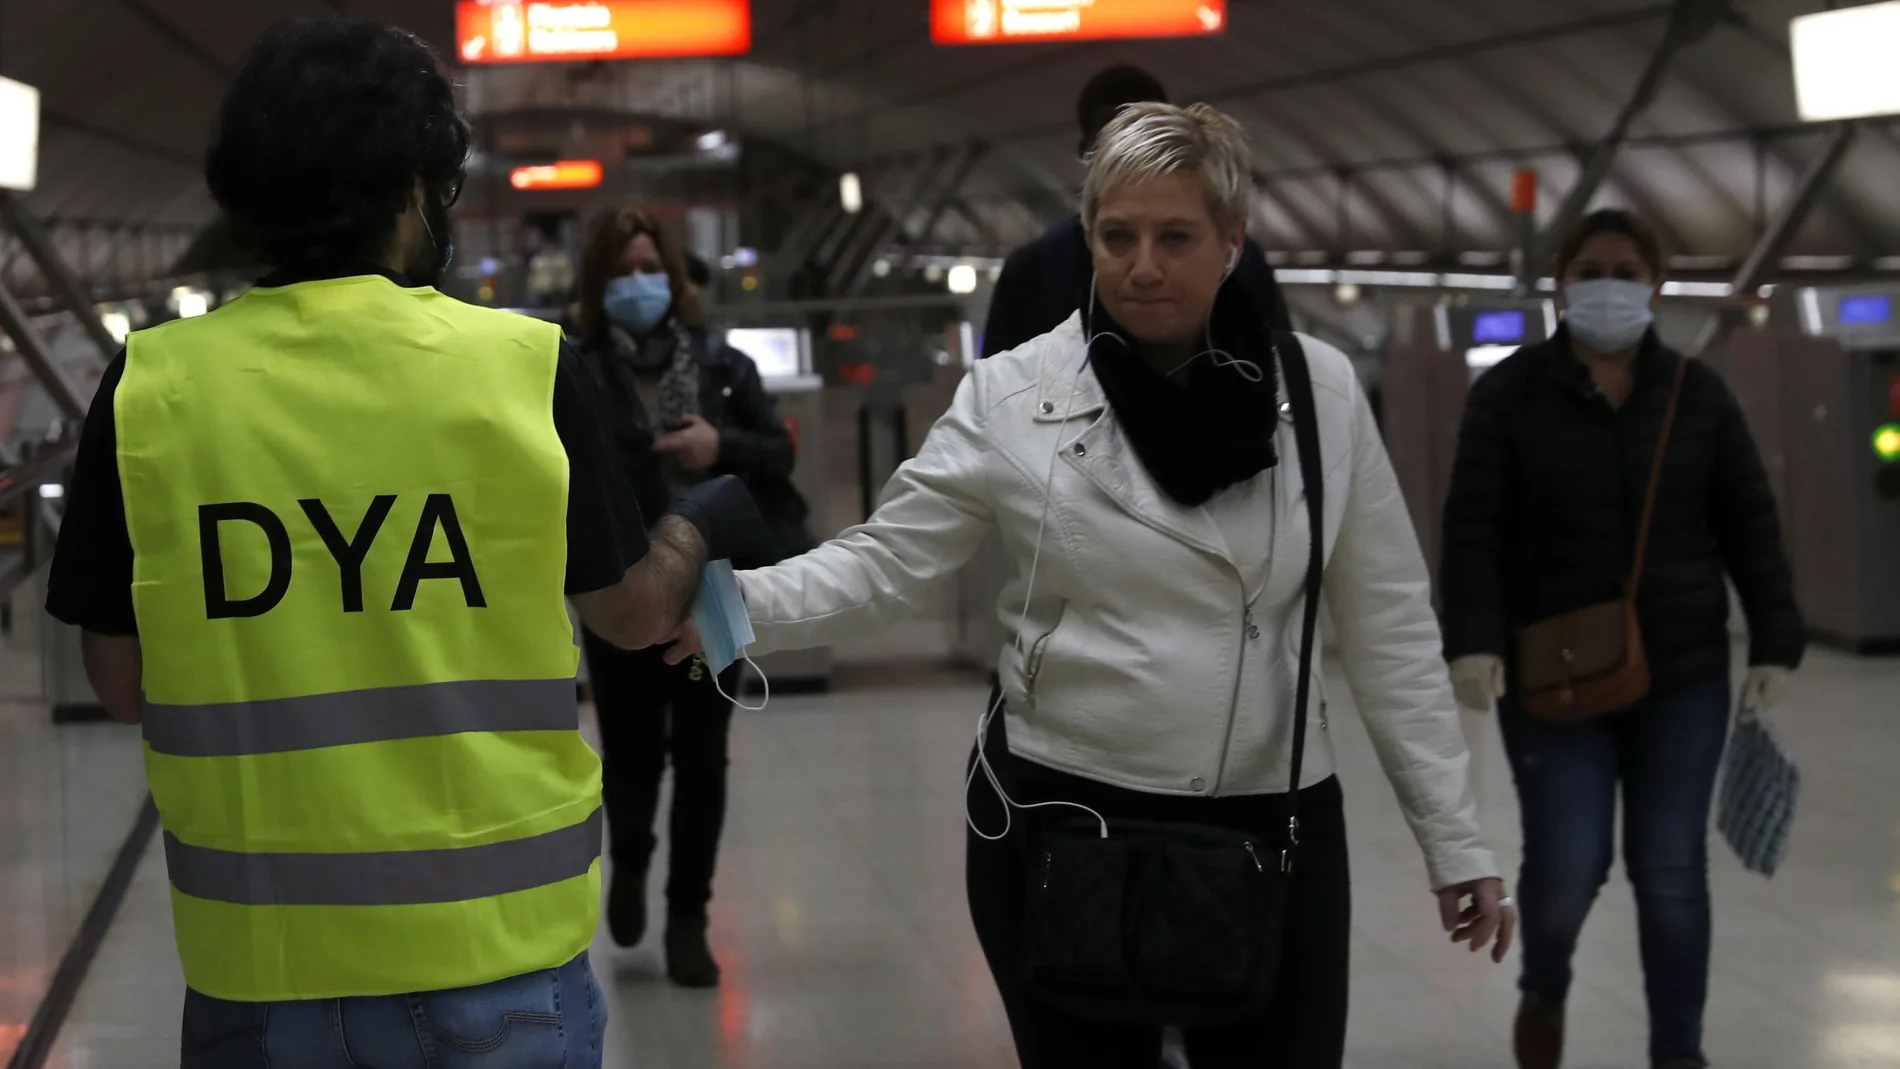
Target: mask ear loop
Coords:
[(736, 703), (982, 764)]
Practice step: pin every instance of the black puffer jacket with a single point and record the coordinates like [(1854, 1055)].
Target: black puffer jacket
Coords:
[(1546, 498), (754, 443)]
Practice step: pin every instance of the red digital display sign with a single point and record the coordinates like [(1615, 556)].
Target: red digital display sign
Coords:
[(567, 174), (524, 31), (989, 22)]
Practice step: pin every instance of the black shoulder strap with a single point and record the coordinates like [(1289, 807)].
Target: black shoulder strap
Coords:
[(1299, 388)]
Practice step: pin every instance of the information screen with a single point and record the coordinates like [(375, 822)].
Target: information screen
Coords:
[(1866, 310), (776, 350), (1496, 328), (986, 22), (542, 31)]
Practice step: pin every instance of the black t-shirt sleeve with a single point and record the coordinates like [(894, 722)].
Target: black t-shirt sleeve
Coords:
[(606, 534), (90, 583)]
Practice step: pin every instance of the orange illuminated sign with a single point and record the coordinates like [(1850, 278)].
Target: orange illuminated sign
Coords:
[(567, 174), (521, 31), (985, 22)]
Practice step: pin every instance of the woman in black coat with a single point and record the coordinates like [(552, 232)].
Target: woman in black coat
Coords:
[(1553, 464), (684, 408)]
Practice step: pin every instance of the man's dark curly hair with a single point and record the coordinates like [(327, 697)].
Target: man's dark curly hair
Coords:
[(323, 133)]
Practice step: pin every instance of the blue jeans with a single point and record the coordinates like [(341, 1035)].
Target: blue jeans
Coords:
[(1665, 751), (553, 1019)]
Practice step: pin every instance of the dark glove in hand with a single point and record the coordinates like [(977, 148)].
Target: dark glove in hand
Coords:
[(727, 518)]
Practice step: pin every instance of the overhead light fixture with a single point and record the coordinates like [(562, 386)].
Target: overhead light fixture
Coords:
[(191, 303), (851, 192), (1346, 293), (712, 141), (117, 324), (19, 135), (933, 274), (52, 491), (962, 280), (881, 268), (1843, 62)]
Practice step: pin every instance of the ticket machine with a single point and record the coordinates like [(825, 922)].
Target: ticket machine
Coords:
[(1820, 384), (1437, 352)]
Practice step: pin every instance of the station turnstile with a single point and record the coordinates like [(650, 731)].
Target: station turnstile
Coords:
[(1820, 386), (801, 404), (1437, 352)]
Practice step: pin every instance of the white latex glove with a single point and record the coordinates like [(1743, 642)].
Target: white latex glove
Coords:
[(1478, 680), (1764, 688)]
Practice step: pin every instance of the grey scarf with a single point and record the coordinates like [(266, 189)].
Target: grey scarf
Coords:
[(672, 353)]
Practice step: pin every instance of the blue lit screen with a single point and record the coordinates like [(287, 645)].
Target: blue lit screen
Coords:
[(1494, 327), (1866, 310)]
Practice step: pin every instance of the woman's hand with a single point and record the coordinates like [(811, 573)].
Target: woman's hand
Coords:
[(1478, 680), (694, 442), (1488, 914)]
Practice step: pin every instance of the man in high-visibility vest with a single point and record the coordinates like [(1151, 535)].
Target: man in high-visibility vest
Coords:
[(318, 542)]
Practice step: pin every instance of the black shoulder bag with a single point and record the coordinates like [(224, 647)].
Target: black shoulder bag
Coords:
[(1177, 924)]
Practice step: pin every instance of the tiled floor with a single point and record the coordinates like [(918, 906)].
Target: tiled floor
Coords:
[(840, 914)]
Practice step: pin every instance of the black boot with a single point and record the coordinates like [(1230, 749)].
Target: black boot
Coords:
[(689, 957), (627, 907)]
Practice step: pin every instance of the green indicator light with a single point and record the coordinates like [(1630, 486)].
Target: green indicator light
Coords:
[(1887, 442)]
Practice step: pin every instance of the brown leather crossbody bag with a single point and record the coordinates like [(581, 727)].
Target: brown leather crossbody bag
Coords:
[(1590, 661)]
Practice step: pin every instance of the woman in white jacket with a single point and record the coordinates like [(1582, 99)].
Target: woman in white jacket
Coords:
[(1141, 468)]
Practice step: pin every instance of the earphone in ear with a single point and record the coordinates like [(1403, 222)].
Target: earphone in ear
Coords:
[(1233, 261)]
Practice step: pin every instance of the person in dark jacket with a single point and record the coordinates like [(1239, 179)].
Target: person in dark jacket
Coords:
[(1047, 281), (1553, 464), (684, 408)]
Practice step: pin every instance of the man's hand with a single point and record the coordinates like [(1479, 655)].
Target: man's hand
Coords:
[(1488, 914), (695, 443), (685, 643)]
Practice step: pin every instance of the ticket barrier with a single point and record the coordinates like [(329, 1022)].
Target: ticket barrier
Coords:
[(1437, 352), (1820, 386), (801, 404)]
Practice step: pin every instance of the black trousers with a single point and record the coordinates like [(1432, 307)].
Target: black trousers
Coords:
[(1306, 1026), (651, 711)]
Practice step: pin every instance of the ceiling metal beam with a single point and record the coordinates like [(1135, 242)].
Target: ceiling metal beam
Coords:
[(129, 142), (65, 284), (929, 197), (1344, 72), (1690, 22), (44, 365), (883, 215), (178, 38), (1787, 223), (1794, 211)]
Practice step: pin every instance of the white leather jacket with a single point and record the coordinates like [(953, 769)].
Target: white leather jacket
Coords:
[(1144, 661)]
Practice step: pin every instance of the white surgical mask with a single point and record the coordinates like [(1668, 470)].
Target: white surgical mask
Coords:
[(1609, 314)]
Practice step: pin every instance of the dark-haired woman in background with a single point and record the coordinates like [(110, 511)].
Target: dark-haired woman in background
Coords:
[(685, 408), (1553, 466)]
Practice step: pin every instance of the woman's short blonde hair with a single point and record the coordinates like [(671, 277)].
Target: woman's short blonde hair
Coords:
[(1148, 141)]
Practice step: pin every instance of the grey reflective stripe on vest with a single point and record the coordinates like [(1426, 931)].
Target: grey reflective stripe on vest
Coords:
[(401, 878), (284, 725)]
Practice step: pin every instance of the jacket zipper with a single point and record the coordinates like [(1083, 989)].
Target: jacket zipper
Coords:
[(1251, 854), (1247, 629)]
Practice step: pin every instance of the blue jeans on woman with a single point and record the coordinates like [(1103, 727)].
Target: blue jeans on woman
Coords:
[(1665, 751), (552, 1019)]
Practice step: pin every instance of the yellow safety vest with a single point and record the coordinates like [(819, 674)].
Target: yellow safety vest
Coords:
[(347, 503)]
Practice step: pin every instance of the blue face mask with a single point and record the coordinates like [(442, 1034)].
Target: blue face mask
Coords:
[(725, 630), (638, 303)]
